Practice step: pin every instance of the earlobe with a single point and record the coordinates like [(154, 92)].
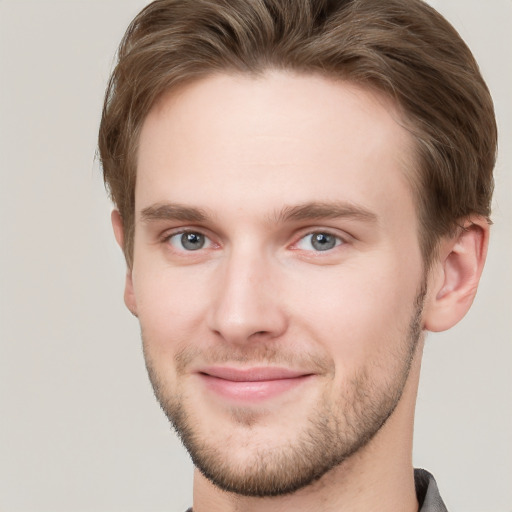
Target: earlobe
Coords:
[(129, 295), (455, 275)]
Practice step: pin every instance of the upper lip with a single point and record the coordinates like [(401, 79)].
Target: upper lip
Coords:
[(254, 374)]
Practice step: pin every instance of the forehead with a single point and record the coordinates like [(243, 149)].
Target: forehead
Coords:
[(240, 142)]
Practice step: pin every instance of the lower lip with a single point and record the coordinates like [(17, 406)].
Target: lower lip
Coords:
[(252, 391)]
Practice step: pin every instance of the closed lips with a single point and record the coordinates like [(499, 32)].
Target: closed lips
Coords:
[(256, 374)]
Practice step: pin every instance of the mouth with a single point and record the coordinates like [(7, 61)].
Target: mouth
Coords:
[(251, 384)]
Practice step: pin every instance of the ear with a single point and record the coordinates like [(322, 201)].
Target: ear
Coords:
[(129, 295), (455, 274)]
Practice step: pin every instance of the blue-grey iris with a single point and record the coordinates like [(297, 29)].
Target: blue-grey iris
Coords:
[(323, 241), (192, 241)]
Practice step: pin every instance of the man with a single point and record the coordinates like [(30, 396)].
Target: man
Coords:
[(302, 191)]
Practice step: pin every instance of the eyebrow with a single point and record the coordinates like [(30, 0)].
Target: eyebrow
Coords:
[(170, 211), (325, 210), (307, 211)]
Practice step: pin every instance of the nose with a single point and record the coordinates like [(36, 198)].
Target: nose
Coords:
[(247, 305)]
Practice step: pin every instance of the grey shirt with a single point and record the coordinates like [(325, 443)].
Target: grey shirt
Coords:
[(426, 491)]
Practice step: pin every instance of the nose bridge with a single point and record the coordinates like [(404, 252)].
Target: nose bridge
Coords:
[(246, 300)]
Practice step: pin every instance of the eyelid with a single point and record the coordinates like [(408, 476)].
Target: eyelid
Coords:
[(179, 230)]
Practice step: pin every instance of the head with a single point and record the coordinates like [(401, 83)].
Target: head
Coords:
[(299, 185)]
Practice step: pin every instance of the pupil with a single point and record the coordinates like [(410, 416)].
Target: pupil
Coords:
[(192, 241), (323, 241)]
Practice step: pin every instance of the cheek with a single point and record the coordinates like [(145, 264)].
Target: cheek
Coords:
[(357, 314), (170, 304)]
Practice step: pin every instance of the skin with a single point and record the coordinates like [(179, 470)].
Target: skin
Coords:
[(255, 165)]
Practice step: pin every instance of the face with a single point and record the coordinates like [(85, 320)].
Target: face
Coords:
[(277, 274)]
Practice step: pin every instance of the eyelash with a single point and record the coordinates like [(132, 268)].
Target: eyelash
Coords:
[(338, 240)]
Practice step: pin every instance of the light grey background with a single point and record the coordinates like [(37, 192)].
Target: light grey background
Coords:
[(79, 427)]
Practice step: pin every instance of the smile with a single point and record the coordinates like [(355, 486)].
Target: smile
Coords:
[(252, 384)]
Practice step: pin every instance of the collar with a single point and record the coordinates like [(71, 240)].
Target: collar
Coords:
[(427, 492)]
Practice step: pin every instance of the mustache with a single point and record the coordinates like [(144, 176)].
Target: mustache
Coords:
[(257, 354)]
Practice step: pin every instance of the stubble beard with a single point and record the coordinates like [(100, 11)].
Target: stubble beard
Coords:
[(333, 432)]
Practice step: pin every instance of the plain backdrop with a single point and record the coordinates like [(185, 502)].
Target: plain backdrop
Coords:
[(79, 427)]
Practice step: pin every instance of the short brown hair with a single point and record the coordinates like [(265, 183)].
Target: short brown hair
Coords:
[(403, 48)]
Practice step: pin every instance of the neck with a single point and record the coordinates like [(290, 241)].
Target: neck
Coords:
[(379, 477)]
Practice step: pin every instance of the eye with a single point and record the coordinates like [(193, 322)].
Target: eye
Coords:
[(189, 241), (319, 241)]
